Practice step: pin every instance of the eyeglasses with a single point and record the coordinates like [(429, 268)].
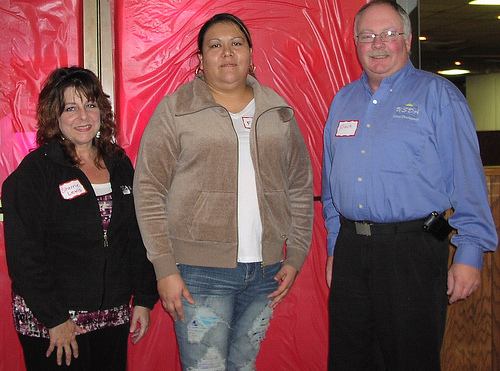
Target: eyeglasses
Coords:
[(386, 36)]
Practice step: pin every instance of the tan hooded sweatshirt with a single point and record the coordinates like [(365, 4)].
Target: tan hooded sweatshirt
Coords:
[(185, 185)]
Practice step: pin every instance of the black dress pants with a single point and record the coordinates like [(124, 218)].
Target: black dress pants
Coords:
[(387, 301), (100, 350)]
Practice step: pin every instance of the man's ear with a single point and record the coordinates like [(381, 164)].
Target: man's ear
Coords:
[(408, 42)]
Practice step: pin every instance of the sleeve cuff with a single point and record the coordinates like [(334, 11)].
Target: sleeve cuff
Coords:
[(330, 244), (164, 267), (470, 255)]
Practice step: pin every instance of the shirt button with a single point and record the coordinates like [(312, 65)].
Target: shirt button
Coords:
[(360, 179), (360, 206), (374, 101), (368, 125), (363, 151)]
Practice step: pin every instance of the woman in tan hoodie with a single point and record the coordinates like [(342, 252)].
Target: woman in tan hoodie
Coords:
[(223, 183)]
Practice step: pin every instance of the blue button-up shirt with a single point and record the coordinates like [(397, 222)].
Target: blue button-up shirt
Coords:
[(406, 150)]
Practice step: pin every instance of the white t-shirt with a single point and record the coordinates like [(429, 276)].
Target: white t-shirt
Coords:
[(249, 222), (102, 188)]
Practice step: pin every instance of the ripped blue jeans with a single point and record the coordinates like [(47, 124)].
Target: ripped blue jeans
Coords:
[(224, 328)]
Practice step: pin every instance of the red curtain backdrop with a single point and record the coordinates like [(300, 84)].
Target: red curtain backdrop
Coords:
[(302, 48)]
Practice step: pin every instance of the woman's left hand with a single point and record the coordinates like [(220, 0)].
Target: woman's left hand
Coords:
[(287, 276), (140, 323)]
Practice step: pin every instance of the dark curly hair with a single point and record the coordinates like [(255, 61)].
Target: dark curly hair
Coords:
[(51, 106)]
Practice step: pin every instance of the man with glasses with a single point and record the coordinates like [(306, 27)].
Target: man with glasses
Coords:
[(400, 150)]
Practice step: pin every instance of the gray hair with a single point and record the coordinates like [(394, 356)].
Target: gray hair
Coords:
[(404, 16)]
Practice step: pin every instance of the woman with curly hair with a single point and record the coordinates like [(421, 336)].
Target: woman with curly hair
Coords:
[(74, 251)]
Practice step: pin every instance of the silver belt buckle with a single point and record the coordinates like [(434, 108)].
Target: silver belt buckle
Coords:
[(363, 228)]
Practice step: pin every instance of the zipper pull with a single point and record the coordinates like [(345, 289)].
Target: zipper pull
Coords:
[(263, 266), (105, 239)]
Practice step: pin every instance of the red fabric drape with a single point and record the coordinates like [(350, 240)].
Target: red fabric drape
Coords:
[(302, 48)]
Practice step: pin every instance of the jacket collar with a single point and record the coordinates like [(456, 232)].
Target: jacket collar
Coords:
[(392, 80), (54, 152), (196, 96)]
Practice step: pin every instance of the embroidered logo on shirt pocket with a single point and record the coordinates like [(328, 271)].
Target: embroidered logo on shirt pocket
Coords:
[(408, 112)]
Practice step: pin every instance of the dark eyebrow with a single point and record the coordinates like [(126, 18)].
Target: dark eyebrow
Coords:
[(232, 38)]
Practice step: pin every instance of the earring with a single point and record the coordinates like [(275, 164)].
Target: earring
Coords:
[(252, 68), (198, 71), (98, 134)]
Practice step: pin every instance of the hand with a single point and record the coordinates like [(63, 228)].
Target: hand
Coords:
[(463, 280), (140, 323), (171, 290), (329, 269), (63, 338), (286, 278)]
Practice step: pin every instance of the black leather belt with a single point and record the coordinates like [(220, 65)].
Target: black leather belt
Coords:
[(366, 228)]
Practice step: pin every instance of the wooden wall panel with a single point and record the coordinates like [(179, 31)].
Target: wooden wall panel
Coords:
[(472, 338), (493, 175)]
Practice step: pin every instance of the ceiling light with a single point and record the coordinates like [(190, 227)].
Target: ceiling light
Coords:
[(484, 2), (458, 63), (454, 72), (423, 38)]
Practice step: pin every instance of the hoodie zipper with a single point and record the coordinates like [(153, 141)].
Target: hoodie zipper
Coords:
[(105, 236)]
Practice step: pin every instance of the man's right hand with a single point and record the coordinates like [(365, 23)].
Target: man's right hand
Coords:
[(62, 338), (171, 290), (329, 268)]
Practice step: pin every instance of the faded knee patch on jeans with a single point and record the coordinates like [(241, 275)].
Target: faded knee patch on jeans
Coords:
[(257, 331), (204, 319), (212, 361)]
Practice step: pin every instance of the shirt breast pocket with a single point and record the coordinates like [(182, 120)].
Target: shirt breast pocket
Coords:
[(399, 146)]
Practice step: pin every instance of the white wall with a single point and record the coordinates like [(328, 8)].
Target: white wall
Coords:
[(483, 95)]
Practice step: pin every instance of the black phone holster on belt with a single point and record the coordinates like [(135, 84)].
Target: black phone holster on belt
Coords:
[(437, 225)]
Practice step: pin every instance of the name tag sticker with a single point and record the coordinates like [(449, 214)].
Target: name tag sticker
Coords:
[(247, 122), (347, 128), (72, 189)]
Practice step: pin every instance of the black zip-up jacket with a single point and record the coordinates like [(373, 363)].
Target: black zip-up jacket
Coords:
[(56, 252)]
